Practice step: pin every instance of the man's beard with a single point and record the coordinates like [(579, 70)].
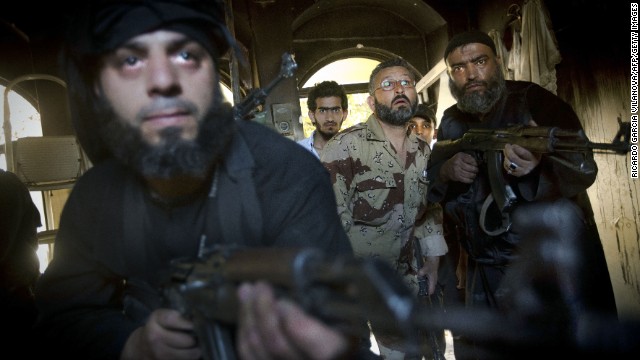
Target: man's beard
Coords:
[(175, 156), (476, 102), (326, 134), (395, 117)]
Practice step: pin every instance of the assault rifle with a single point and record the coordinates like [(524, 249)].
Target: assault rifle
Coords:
[(257, 97), (537, 139), (345, 292), (342, 291)]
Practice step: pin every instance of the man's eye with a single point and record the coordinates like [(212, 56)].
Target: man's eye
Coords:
[(404, 82), (322, 111), (481, 61), (386, 83), (185, 55), (130, 60)]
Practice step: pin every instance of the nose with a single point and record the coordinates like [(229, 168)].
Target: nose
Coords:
[(162, 77), (472, 72)]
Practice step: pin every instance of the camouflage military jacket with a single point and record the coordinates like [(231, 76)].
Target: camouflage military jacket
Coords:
[(379, 200)]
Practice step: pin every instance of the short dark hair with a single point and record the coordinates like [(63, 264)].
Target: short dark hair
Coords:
[(425, 112), (327, 88), (396, 61)]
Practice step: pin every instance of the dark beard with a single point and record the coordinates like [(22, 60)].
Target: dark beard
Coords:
[(175, 156), (395, 117), (476, 102)]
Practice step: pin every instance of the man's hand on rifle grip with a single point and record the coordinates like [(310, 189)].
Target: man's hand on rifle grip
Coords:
[(271, 328), (461, 167), (430, 270), (166, 335), (519, 161)]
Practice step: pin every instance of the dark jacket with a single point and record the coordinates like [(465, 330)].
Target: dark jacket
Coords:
[(115, 244)]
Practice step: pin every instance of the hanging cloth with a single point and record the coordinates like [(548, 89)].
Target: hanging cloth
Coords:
[(502, 51), (539, 54), (515, 57)]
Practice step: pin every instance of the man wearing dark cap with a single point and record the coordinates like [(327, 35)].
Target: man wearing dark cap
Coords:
[(423, 124), (552, 214), (174, 176)]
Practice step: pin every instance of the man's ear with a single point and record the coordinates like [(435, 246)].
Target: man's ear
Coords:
[(312, 117), (435, 134), (371, 101)]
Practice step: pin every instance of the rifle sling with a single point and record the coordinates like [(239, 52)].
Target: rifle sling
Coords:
[(506, 219)]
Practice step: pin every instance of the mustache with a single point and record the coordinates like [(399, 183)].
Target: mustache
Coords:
[(401, 96), (476, 82), (163, 103)]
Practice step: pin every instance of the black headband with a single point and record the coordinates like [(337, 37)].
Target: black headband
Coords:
[(114, 22), (469, 37)]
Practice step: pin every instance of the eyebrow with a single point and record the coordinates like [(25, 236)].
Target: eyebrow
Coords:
[(328, 108), (479, 57)]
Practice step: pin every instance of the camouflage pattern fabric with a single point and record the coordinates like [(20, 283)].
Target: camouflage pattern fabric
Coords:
[(379, 201)]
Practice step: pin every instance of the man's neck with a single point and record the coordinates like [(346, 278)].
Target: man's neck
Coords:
[(397, 135), (319, 140)]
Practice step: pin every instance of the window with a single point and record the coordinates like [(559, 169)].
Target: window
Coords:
[(25, 122)]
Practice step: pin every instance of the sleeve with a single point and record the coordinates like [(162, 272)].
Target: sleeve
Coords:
[(450, 129), (337, 160), (19, 217), (78, 297), (429, 231), (19, 221)]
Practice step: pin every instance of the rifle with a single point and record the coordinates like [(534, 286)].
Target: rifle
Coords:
[(425, 299), (537, 139), (342, 291), (257, 97)]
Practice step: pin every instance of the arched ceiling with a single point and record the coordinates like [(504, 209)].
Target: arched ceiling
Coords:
[(418, 13), (329, 30)]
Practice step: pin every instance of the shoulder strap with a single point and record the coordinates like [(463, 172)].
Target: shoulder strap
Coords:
[(238, 205)]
